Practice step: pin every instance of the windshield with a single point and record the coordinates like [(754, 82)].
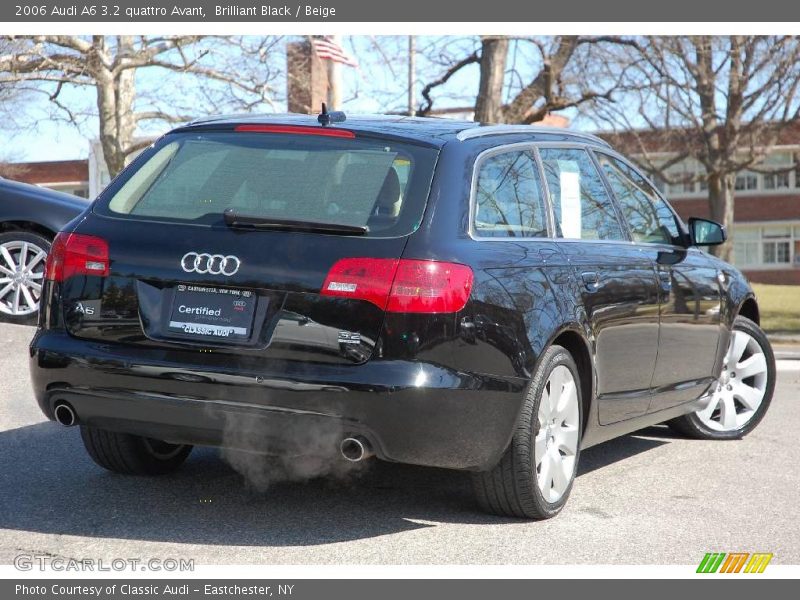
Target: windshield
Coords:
[(379, 184)]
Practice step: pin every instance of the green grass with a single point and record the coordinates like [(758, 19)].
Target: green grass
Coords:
[(779, 306)]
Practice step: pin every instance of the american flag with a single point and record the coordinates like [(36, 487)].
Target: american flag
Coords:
[(327, 49)]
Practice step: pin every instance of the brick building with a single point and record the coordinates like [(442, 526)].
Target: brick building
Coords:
[(766, 232), (69, 176)]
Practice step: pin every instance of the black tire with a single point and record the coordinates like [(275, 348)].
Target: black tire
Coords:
[(692, 426), (130, 454), (42, 242), (510, 489)]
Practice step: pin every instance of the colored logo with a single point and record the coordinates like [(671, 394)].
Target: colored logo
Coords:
[(734, 562)]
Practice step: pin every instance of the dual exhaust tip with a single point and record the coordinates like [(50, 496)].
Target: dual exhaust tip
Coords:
[(65, 414), (356, 449), (353, 449)]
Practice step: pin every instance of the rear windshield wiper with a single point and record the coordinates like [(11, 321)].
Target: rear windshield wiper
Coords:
[(237, 219)]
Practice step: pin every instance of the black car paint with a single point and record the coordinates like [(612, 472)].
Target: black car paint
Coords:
[(442, 390), (23, 205)]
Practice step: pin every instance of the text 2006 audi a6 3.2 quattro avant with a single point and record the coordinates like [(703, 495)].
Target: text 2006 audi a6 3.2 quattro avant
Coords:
[(485, 298)]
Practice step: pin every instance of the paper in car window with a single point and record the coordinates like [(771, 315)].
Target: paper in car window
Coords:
[(570, 185)]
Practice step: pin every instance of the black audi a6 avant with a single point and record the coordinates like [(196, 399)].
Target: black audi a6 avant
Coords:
[(485, 298)]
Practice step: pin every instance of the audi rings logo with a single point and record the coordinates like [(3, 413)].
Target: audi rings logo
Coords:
[(213, 264)]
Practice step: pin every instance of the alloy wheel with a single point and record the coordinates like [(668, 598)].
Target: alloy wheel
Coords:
[(741, 387), (556, 440), (21, 277)]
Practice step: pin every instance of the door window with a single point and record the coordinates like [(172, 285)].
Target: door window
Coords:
[(581, 204), (650, 218), (509, 199)]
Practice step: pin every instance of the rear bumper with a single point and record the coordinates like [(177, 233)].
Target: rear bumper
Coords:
[(411, 412)]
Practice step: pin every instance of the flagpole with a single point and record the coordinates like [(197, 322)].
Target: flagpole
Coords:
[(412, 60), (335, 80)]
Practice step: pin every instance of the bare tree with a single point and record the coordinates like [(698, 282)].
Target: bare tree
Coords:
[(551, 74), (489, 103), (54, 63), (721, 101)]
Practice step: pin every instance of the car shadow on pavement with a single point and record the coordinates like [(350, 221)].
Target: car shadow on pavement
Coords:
[(49, 485), (619, 449)]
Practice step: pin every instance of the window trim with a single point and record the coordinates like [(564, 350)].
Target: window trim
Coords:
[(591, 150)]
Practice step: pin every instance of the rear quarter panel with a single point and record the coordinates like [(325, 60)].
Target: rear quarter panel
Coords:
[(523, 293)]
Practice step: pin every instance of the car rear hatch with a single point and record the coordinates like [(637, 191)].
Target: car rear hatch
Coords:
[(254, 241)]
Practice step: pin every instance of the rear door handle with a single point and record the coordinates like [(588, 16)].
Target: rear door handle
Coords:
[(591, 280)]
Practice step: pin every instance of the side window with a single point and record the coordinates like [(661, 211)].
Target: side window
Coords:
[(650, 219), (580, 201), (509, 199)]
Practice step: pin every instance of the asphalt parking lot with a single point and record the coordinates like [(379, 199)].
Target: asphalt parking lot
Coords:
[(648, 498)]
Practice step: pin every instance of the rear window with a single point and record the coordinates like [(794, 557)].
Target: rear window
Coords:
[(381, 184)]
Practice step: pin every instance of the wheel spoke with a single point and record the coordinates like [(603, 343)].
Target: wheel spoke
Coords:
[(23, 255), (567, 399), (556, 387), (747, 395), (41, 255), (6, 270), (728, 412), (713, 403), (4, 292), (36, 287), (755, 365), (560, 478), (540, 447), (26, 293), (567, 440), (15, 305), (546, 475), (544, 407), (738, 345), (8, 258)]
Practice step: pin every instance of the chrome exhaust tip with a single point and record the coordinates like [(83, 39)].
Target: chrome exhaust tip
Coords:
[(65, 415), (355, 449)]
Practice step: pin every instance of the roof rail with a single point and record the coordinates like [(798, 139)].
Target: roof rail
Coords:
[(482, 130), (212, 118)]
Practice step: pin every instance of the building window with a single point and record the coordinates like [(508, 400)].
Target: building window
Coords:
[(776, 253), (746, 244), (746, 181), (782, 163), (766, 247), (776, 181), (777, 245)]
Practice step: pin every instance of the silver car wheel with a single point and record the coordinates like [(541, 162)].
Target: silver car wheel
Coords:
[(21, 277), (556, 440), (741, 386)]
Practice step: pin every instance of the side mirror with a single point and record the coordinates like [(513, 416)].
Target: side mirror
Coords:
[(706, 233)]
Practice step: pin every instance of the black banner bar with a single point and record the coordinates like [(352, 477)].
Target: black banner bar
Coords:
[(194, 11), (419, 589)]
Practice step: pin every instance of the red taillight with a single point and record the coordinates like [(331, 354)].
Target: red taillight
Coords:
[(76, 254), (401, 285), (297, 130)]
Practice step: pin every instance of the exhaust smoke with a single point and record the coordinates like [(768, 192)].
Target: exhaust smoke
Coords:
[(265, 456)]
